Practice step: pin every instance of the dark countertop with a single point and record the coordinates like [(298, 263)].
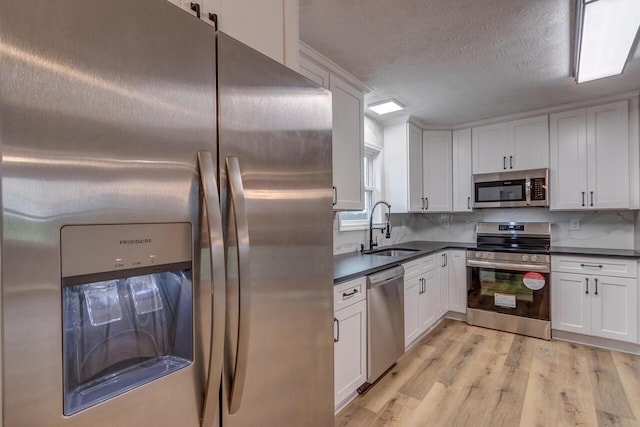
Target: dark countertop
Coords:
[(355, 264), (618, 253)]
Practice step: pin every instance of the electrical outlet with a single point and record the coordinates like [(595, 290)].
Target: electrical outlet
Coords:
[(574, 224)]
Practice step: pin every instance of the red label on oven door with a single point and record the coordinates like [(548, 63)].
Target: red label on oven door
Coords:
[(533, 281)]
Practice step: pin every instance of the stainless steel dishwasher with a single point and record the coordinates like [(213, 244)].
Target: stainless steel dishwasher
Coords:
[(385, 328)]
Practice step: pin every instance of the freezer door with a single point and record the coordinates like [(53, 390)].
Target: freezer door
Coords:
[(103, 109), (275, 165)]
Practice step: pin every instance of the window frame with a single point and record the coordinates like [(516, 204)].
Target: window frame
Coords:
[(374, 152)]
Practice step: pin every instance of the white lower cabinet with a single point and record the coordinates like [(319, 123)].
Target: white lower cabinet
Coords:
[(593, 304), (457, 290), (420, 291), (426, 294), (350, 340), (442, 300)]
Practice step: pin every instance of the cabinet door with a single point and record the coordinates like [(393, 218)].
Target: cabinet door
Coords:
[(415, 192), (462, 179), (436, 171), (348, 144), (491, 149), (443, 285), (568, 160), (615, 308), (411, 314), (608, 156), (457, 281), (427, 301), (571, 302), (530, 139), (314, 72), (350, 350)]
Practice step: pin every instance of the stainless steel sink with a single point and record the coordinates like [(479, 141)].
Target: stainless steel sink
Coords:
[(393, 252)]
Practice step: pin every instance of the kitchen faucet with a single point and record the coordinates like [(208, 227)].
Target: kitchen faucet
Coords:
[(388, 227)]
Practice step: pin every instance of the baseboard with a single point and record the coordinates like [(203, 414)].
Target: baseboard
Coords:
[(454, 315), (345, 402), (605, 343)]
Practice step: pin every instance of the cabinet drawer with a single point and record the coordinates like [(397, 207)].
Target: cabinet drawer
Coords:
[(615, 267), (419, 266), (348, 293)]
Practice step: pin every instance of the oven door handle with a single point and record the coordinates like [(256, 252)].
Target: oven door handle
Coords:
[(509, 266)]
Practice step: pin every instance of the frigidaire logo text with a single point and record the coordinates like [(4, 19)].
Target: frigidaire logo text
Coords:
[(135, 241)]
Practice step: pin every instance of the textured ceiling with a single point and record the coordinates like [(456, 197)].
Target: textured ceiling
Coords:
[(457, 61)]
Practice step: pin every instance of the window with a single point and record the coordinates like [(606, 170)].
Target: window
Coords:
[(372, 170)]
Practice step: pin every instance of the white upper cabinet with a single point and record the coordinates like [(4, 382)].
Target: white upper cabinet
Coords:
[(490, 148), (417, 164), (590, 158), (348, 127), (269, 26), (415, 173), (607, 155), (436, 171), (568, 159), (348, 145), (516, 145), (403, 168), (462, 175), (530, 142)]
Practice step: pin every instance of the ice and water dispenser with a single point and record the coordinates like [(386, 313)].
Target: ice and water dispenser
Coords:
[(127, 308)]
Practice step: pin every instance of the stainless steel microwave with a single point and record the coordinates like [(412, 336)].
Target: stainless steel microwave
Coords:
[(511, 189)]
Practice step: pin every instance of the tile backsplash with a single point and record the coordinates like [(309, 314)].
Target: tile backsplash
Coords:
[(601, 229)]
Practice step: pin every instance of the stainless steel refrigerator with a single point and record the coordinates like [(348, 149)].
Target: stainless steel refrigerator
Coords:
[(166, 252)]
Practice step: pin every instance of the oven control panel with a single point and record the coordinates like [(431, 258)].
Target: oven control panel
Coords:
[(511, 257)]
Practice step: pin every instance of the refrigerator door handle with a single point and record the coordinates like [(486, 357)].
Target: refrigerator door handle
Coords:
[(236, 190), (213, 219)]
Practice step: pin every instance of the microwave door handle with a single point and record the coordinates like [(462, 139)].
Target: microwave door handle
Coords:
[(213, 218), (236, 190), (528, 191)]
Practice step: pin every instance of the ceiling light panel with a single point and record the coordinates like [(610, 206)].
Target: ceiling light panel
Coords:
[(386, 107), (609, 29)]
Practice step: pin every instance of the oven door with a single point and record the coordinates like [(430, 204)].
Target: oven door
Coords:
[(509, 288)]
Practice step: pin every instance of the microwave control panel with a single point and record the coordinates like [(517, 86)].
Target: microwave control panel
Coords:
[(538, 189)]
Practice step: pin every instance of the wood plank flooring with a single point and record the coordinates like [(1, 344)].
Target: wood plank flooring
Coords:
[(461, 375)]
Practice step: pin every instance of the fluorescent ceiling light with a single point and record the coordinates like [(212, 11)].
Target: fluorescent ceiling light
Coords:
[(386, 107), (606, 31)]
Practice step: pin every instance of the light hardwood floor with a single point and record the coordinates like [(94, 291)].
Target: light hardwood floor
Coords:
[(461, 375)]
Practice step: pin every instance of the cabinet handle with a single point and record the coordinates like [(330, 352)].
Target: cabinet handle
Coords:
[(468, 203), (587, 280), (591, 265), (446, 260), (346, 295), (422, 198), (335, 196), (424, 286), (596, 280), (213, 17), (510, 162), (591, 197), (426, 200), (337, 322), (196, 8), (420, 288), (504, 162), (583, 198)]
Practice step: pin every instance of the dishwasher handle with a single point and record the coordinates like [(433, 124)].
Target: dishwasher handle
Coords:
[(386, 276)]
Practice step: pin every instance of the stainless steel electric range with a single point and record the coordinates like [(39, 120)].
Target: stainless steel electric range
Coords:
[(508, 278)]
